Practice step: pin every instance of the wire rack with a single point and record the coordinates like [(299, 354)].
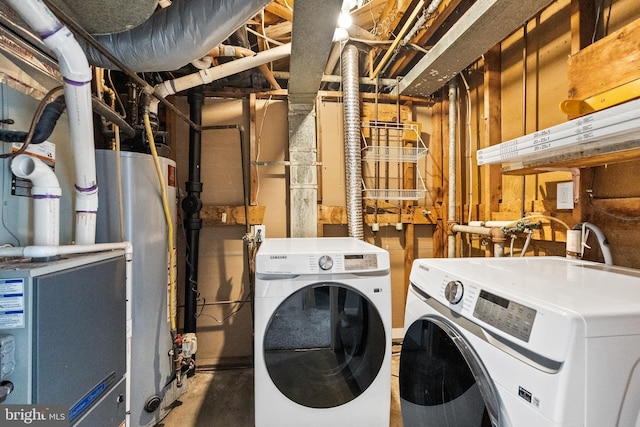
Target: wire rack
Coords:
[(386, 150)]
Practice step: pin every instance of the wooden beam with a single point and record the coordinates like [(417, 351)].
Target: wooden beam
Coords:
[(231, 215), (382, 97), (253, 151), (583, 21), (435, 176), (433, 24), (617, 53), (419, 215), (491, 176), (408, 23), (279, 10)]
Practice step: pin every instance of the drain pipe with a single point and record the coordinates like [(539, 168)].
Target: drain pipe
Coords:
[(192, 206), (77, 90), (238, 52), (451, 214), (46, 193), (352, 158), (202, 77)]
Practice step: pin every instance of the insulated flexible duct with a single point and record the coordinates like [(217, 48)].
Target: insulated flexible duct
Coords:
[(352, 158), (176, 35), (44, 128)]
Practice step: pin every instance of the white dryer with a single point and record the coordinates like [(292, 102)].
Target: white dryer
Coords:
[(532, 341), (322, 333)]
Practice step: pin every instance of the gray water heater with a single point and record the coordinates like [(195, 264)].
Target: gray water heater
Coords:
[(153, 385), (63, 335)]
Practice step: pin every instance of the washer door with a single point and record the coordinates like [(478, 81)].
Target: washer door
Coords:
[(443, 383), (324, 345)]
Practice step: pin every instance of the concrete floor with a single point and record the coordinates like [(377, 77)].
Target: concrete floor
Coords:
[(224, 398)]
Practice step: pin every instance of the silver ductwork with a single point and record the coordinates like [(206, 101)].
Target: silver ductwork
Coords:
[(352, 157), (175, 36)]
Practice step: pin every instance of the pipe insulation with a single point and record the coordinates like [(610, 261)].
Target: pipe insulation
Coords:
[(77, 91), (174, 36), (44, 127), (46, 194), (352, 157), (451, 212)]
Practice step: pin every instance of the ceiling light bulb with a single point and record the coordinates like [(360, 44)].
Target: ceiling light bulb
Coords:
[(344, 20)]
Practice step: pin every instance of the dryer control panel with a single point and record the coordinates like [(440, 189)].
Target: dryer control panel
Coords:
[(508, 316)]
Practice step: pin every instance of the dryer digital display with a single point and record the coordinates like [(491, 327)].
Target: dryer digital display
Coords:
[(360, 262), (506, 315)]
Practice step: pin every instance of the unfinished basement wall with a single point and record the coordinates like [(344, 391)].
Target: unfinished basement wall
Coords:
[(404, 241), (614, 202), (224, 318), (533, 82)]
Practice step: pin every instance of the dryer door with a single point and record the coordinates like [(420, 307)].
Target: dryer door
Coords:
[(443, 383), (324, 345)]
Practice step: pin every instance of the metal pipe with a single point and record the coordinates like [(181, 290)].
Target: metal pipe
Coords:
[(451, 213), (353, 160), (496, 235), (192, 206), (479, 230)]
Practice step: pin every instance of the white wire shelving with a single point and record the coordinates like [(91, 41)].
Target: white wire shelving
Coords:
[(386, 149)]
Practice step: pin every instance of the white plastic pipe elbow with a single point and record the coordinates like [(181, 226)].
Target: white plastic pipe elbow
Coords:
[(46, 193)]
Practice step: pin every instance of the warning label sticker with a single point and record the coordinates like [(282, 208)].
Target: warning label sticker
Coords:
[(11, 303)]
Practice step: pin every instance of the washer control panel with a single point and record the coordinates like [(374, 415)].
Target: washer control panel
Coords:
[(511, 317), (360, 262)]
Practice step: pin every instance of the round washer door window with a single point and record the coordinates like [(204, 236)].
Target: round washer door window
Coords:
[(438, 385), (324, 345)]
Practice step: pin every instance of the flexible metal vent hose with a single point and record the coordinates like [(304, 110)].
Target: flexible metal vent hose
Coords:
[(353, 161)]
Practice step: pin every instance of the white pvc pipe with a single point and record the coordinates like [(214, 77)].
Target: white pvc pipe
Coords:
[(46, 194), (202, 77), (52, 251), (602, 241), (77, 83)]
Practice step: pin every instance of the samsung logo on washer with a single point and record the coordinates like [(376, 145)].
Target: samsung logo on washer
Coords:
[(277, 257)]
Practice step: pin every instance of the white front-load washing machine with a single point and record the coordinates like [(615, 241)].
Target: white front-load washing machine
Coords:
[(531, 341), (322, 333)]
